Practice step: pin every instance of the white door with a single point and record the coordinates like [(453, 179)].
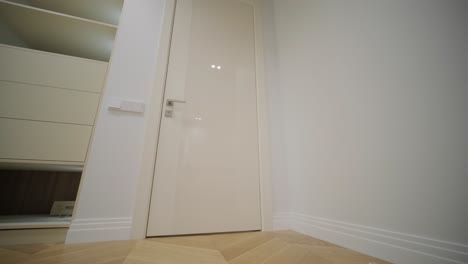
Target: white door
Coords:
[(207, 173)]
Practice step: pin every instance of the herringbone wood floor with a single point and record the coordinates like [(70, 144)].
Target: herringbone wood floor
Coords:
[(282, 247)]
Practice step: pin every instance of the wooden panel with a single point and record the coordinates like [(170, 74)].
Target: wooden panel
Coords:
[(34, 192), (42, 103), (11, 192), (34, 140), (48, 69)]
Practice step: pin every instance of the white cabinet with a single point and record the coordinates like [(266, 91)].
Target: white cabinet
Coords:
[(50, 69), (53, 66), (48, 104), (45, 141), (43, 103)]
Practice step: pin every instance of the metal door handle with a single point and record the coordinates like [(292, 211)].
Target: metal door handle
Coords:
[(170, 102)]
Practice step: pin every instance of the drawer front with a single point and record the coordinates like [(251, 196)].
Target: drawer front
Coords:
[(35, 140), (42, 103), (48, 69)]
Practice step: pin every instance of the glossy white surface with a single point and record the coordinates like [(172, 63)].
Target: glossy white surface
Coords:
[(45, 141), (206, 176), (42, 103), (48, 104), (49, 69)]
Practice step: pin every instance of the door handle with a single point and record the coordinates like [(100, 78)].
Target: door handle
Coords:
[(170, 102)]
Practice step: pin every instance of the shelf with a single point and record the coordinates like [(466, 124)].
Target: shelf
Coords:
[(11, 164), (50, 31), (106, 11), (33, 221)]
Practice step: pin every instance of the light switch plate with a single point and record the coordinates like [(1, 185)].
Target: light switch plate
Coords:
[(132, 107), (126, 106)]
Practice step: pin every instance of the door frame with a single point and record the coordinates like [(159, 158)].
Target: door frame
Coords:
[(155, 105)]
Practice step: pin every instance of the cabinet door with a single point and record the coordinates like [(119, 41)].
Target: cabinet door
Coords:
[(42, 103), (48, 69), (34, 140)]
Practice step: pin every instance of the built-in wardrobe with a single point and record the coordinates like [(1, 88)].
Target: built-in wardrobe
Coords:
[(53, 64)]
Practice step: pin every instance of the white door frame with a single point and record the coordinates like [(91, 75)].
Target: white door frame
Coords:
[(145, 180)]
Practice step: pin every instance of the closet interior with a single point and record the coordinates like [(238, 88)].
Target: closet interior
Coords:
[(53, 63)]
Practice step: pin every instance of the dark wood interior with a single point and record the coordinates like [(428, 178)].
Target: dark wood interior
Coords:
[(34, 192)]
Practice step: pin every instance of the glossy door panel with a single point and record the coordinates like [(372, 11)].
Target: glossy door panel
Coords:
[(207, 172)]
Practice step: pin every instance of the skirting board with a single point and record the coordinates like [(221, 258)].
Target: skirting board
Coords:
[(387, 245), (95, 230)]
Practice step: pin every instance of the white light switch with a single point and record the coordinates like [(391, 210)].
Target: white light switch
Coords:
[(132, 107), (127, 106)]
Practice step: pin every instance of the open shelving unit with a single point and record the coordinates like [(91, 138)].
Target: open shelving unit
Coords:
[(27, 197), (53, 64), (33, 221), (107, 11), (51, 31)]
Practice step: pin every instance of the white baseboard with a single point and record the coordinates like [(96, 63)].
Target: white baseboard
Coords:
[(94, 230), (387, 245)]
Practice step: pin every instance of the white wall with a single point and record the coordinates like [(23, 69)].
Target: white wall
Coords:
[(370, 108), (107, 194), (275, 109)]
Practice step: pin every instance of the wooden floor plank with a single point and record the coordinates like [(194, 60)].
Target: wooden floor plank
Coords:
[(281, 247), (28, 248), (146, 252), (108, 252), (261, 253), (234, 245), (298, 238), (12, 257), (297, 254), (189, 241)]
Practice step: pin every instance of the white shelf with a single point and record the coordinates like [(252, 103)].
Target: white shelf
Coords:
[(33, 221), (56, 32), (9, 164), (106, 11)]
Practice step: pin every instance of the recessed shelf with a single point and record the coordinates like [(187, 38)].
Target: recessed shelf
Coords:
[(106, 11), (33, 221), (55, 32), (6, 164)]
